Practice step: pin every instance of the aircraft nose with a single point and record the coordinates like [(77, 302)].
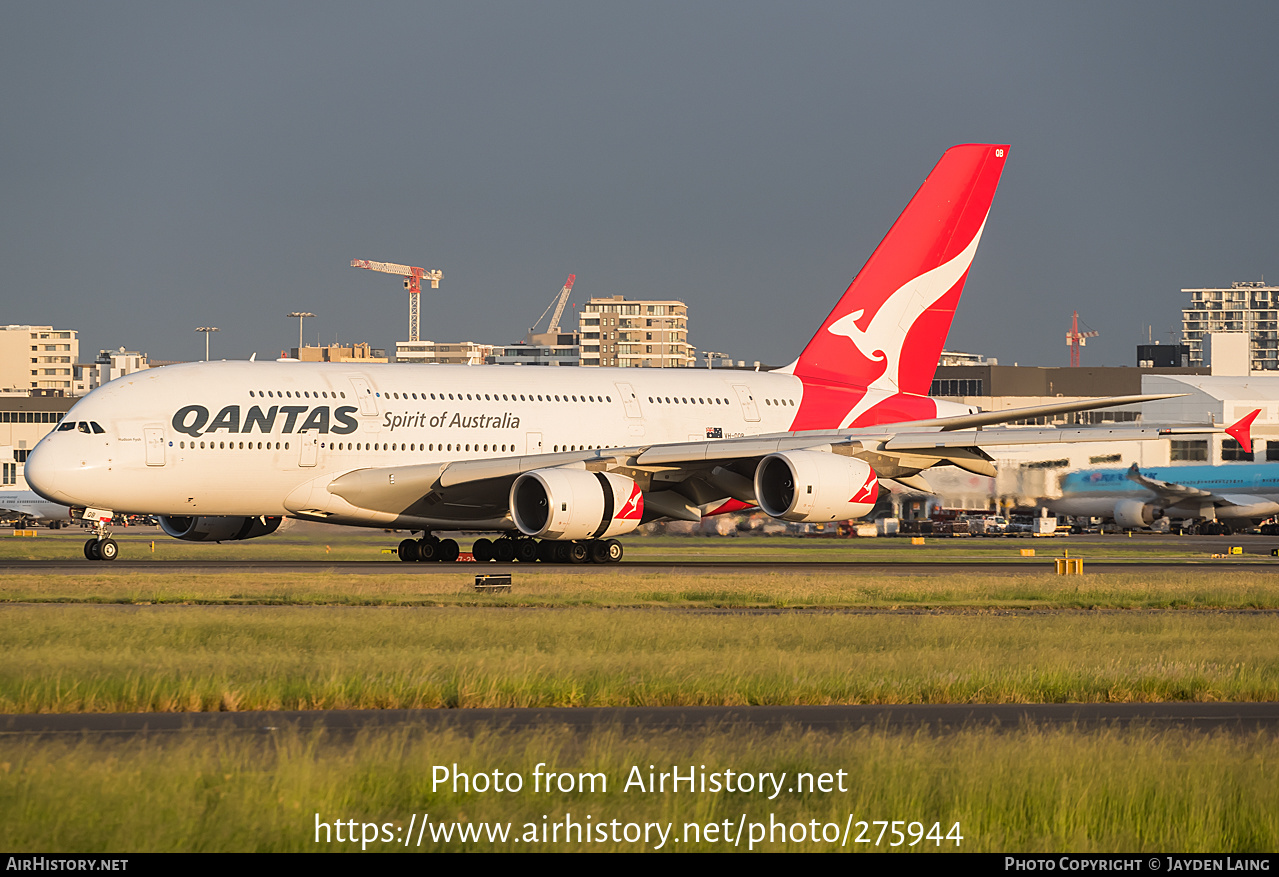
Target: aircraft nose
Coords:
[(41, 471)]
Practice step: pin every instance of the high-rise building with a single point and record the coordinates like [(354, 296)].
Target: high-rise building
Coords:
[(1251, 307), (649, 334), (38, 359)]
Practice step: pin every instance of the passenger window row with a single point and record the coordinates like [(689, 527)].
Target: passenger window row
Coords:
[(295, 394), (499, 397), (690, 400), (214, 446), (448, 447)]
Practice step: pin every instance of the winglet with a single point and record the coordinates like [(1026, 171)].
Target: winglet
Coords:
[(1241, 431)]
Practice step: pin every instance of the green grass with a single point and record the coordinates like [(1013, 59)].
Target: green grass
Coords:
[(175, 659), (611, 587), (1029, 790)]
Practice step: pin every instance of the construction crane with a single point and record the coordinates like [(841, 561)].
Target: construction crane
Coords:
[(553, 328), (1076, 339), (413, 278)]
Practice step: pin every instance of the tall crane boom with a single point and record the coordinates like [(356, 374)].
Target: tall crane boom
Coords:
[(559, 308), (413, 283), (558, 303)]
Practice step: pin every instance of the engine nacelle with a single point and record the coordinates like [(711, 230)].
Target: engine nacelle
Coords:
[(216, 528), (1133, 514), (812, 486), (575, 504)]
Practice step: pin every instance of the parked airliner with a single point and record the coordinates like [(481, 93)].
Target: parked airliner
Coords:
[(560, 460), (1217, 498), (27, 504)]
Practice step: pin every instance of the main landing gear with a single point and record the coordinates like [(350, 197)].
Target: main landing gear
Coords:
[(506, 550), (429, 548), (101, 546), (527, 550)]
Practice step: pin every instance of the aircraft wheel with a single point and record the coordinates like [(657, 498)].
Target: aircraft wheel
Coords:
[(449, 550), (562, 552), (408, 550), (526, 550), (614, 550), (108, 550), (91, 550), (482, 550), (578, 552), (546, 550), (599, 551), (428, 550), (504, 550)]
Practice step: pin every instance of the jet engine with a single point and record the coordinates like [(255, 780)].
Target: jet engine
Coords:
[(575, 504), (214, 528), (1133, 514), (812, 486)]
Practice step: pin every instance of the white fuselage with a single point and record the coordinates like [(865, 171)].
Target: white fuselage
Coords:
[(187, 439), (241, 438)]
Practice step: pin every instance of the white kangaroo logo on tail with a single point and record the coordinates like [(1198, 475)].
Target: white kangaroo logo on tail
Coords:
[(882, 340)]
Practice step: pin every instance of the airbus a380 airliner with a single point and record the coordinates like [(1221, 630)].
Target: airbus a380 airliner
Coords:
[(560, 460)]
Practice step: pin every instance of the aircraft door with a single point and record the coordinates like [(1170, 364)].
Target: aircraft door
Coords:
[(153, 436), (310, 449), (534, 443), (629, 400), (363, 392), (749, 409)]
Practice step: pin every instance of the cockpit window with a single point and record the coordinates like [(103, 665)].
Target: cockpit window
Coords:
[(96, 428), (83, 426), (66, 427)]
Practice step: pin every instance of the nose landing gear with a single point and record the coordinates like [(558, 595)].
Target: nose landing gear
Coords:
[(101, 546)]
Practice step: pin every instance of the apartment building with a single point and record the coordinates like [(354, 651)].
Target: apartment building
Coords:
[(38, 359), (635, 334), (1251, 307)]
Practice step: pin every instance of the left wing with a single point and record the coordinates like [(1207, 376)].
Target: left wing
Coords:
[(1166, 490)]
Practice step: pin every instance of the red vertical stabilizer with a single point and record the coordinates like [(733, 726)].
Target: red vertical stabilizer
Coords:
[(874, 357)]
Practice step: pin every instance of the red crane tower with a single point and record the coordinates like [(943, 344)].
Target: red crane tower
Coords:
[(1076, 339), (413, 278)]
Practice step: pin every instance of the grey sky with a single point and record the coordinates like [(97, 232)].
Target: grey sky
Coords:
[(165, 166)]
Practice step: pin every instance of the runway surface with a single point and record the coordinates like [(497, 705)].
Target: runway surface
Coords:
[(80, 567), (1206, 717), (749, 555)]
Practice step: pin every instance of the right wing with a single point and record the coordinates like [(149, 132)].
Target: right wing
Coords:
[(829, 472)]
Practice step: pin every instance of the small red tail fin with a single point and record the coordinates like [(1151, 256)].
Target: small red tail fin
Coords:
[(888, 329), (1241, 431)]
